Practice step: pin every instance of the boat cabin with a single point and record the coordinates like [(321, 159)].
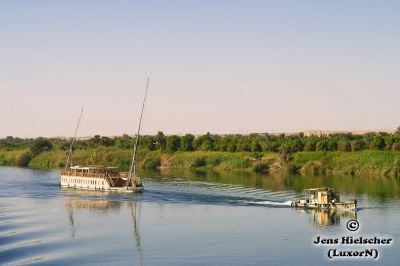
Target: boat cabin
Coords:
[(93, 177), (322, 195), (93, 171)]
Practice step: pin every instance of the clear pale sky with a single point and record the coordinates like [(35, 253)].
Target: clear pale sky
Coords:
[(218, 66)]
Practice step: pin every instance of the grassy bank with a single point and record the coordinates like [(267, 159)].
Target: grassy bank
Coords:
[(342, 153), (111, 156), (382, 163), (12, 157)]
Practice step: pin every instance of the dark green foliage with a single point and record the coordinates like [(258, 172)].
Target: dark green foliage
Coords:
[(62, 144), (356, 145), (122, 162), (152, 163), (260, 167), (293, 168), (322, 145), (199, 161), (11, 143), (287, 145), (95, 141), (161, 143), (24, 159), (187, 142), (311, 145), (271, 146), (332, 143), (291, 145), (243, 146), (39, 145), (231, 147), (124, 142), (173, 143), (106, 141), (256, 146), (213, 160), (323, 154), (205, 142), (389, 140), (98, 141), (377, 143), (364, 162), (79, 144), (148, 142), (222, 145), (344, 145)]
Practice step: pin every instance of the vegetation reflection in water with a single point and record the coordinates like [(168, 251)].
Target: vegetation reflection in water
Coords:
[(376, 187), (212, 209), (317, 217)]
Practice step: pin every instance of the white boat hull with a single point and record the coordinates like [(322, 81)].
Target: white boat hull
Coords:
[(94, 183)]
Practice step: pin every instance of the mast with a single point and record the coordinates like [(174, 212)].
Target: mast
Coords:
[(133, 163), (69, 159)]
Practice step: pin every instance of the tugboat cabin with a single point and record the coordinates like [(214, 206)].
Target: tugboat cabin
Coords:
[(323, 198), (322, 195)]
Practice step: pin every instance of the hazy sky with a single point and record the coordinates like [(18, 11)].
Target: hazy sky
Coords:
[(218, 66)]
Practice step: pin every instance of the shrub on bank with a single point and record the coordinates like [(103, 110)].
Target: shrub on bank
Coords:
[(198, 162), (260, 167), (152, 163), (301, 158), (11, 157), (24, 159), (293, 168), (363, 162)]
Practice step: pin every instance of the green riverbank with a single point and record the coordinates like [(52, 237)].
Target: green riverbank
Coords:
[(111, 156), (379, 163)]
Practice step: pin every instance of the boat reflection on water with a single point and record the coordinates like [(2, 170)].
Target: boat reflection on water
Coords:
[(330, 217), (91, 205), (134, 208), (100, 205)]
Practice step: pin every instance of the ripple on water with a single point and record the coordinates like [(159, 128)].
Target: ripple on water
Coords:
[(27, 236), (43, 224)]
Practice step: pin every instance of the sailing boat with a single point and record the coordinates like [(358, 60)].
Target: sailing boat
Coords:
[(100, 177)]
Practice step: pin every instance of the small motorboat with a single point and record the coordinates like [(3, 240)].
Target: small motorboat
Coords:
[(323, 198)]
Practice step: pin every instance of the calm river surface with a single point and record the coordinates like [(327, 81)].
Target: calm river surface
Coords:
[(188, 218)]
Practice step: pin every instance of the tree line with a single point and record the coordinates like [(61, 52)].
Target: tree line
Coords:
[(256, 142)]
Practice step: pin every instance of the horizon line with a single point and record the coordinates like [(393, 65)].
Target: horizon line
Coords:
[(310, 132)]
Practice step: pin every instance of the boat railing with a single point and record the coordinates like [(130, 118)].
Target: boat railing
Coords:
[(85, 174)]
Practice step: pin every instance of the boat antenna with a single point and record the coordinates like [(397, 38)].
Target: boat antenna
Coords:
[(135, 148), (69, 159)]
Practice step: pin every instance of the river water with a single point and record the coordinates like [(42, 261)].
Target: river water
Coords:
[(189, 218)]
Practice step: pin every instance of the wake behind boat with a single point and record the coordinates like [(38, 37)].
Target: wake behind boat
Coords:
[(100, 177), (323, 198)]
